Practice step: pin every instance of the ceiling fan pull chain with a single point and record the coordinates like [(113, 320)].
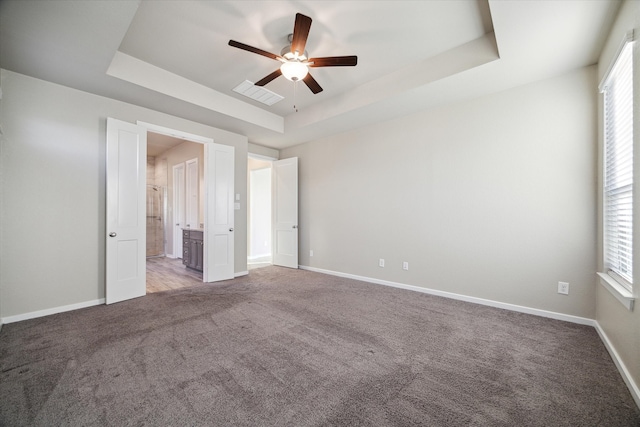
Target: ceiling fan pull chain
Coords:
[(295, 85)]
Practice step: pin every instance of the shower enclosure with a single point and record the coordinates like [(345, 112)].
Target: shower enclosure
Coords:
[(156, 209)]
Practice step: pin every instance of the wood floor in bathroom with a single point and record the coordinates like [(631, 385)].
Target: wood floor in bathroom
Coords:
[(164, 274)]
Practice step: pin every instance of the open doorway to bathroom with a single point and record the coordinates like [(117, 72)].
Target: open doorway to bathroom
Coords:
[(259, 211), (167, 208)]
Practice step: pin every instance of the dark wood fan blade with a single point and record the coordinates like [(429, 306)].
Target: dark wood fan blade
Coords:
[(300, 33), (272, 76), (253, 49), (334, 61), (312, 84)]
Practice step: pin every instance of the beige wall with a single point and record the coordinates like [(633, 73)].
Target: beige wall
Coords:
[(492, 198), (622, 327), (53, 183)]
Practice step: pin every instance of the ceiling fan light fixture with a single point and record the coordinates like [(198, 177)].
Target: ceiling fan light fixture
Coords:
[(294, 70)]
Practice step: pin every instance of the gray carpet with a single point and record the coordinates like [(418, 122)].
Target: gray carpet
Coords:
[(287, 347)]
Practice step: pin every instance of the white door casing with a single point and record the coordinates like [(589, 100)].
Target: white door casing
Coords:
[(219, 223), (126, 211), (178, 208), (284, 188)]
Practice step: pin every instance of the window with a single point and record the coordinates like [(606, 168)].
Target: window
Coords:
[(617, 88)]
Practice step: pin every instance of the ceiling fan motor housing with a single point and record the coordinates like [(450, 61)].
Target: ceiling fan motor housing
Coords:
[(287, 54)]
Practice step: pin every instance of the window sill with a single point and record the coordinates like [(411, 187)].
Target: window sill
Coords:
[(623, 295)]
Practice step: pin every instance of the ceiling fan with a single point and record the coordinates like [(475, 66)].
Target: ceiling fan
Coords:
[(295, 60)]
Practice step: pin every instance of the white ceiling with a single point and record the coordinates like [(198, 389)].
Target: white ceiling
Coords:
[(158, 143), (173, 56)]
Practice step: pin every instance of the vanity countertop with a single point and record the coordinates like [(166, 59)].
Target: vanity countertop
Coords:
[(193, 229)]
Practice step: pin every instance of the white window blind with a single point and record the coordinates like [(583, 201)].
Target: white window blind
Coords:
[(618, 174)]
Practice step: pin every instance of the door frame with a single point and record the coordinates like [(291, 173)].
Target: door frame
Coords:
[(208, 143), (291, 260), (270, 160)]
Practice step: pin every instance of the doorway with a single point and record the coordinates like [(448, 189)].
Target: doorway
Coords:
[(125, 217), (168, 159), (207, 219), (259, 242), (272, 237)]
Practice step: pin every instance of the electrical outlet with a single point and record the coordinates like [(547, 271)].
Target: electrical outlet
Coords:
[(563, 288), (311, 252), (381, 262), (405, 265)]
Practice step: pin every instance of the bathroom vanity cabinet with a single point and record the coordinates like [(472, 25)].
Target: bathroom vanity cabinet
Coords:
[(193, 248)]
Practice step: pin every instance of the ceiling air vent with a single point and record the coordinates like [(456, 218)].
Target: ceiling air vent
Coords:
[(257, 93)]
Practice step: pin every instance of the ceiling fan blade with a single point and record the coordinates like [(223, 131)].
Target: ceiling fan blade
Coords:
[(312, 84), (272, 76), (334, 61), (300, 33), (254, 50)]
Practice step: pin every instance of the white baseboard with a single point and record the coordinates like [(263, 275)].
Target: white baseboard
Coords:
[(62, 309), (50, 311), (491, 303), (624, 372)]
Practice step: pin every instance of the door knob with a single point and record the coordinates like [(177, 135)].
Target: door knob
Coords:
[(295, 226), (231, 229), (112, 234)]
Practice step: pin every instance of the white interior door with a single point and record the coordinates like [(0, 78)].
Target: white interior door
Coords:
[(284, 187), (192, 195), (218, 226), (126, 211), (178, 209)]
